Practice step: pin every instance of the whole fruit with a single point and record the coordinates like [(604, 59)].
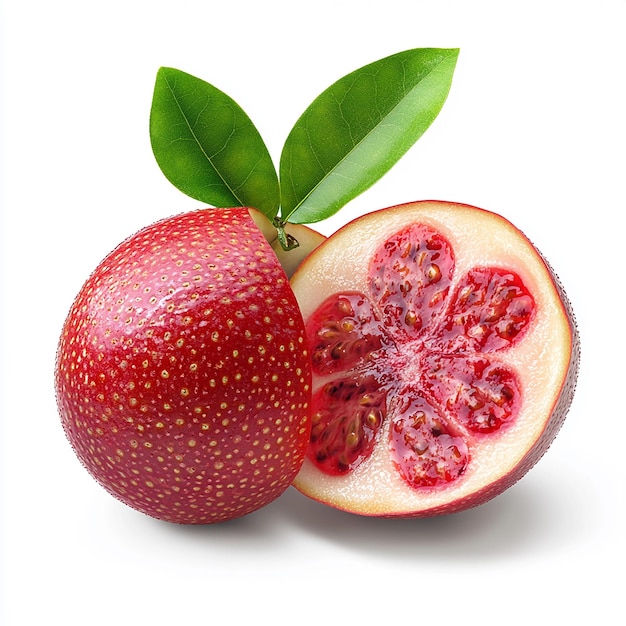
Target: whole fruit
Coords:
[(444, 354), (182, 375)]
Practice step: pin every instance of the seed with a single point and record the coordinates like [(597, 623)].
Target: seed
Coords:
[(421, 447), (352, 440), (433, 273), (372, 419), (366, 399), (329, 331), (338, 351), (410, 319), (436, 428), (345, 307), (477, 331), (475, 402), (437, 298), (464, 294), (317, 417)]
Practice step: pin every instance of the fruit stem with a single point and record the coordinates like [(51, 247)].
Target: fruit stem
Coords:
[(287, 241)]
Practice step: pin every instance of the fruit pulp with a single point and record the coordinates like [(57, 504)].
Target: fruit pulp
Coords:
[(429, 351), (419, 355)]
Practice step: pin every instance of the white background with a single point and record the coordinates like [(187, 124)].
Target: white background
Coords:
[(533, 129)]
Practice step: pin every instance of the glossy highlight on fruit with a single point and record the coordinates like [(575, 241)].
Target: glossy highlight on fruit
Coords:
[(444, 355), (182, 376)]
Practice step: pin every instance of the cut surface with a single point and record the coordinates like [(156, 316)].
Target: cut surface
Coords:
[(444, 358)]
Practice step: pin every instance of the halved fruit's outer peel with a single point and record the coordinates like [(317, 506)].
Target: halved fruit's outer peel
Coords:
[(546, 359)]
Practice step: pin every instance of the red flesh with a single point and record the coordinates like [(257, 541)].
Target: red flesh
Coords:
[(422, 349)]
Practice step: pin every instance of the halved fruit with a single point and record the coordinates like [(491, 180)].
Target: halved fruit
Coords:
[(445, 356)]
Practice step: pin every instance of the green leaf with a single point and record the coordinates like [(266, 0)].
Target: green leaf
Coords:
[(357, 129), (207, 146)]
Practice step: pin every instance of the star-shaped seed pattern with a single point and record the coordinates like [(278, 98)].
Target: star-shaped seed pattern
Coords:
[(421, 350)]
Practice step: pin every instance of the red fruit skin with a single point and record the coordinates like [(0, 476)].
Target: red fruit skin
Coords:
[(182, 375)]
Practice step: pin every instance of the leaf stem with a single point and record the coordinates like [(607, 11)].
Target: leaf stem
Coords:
[(287, 241)]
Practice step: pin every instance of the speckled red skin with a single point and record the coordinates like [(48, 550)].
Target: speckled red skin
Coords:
[(182, 375)]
